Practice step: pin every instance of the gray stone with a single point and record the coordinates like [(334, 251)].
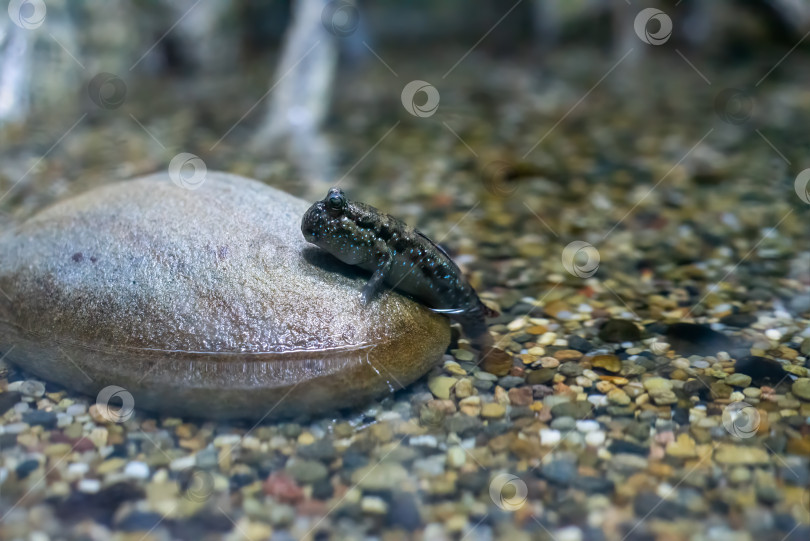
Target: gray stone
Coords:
[(205, 303), (307, 471)]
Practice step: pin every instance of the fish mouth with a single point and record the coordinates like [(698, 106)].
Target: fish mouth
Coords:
[(311, 222)]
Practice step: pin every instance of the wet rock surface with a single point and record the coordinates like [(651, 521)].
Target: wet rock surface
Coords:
[(203, 302)]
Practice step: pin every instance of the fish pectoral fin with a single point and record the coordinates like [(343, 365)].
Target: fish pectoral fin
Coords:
[(448, 311), (375, 283)]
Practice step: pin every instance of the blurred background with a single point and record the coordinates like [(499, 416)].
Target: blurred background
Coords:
[(669, 137), (566, 119)]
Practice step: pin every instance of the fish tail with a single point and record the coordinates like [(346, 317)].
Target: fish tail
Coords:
[(474, 324)]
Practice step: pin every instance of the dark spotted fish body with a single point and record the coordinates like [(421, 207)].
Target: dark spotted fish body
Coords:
[(399, 256)]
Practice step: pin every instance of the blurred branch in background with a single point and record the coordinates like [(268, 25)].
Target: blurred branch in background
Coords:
[(191, 50), (15, 73), (302, 86)]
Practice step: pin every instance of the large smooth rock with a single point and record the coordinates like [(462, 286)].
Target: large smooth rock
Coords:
[(207, 303)]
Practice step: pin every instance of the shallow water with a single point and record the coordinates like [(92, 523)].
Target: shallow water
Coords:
[(678, 179)]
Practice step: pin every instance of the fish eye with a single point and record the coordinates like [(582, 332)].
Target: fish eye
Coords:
[(336, 201)]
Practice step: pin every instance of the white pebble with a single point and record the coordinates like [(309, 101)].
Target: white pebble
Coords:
[(227, 440), (137, 470), (21, 407), (91, 486), (598, 400), (425, 441), (549, 436), (517, 324), (590, 374), (456, 457), (373, 505), (569, 533), (547, 338), (74, 410), (77, 469), (587, 425), (182, 463), (773, 334), (32, 387), (15, 428), (595, 439)]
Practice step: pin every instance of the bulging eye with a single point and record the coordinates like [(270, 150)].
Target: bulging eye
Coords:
[(336, 201)]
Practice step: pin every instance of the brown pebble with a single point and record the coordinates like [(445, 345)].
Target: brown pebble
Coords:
[(517, 371), (492, 410), (444, 406), (496, 361), (611, 363), (520, 396), (567, 355), (555, 307), (528, 358)]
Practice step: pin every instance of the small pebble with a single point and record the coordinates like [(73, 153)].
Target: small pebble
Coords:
[(89, 486), (137, 470), (549, 437)]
